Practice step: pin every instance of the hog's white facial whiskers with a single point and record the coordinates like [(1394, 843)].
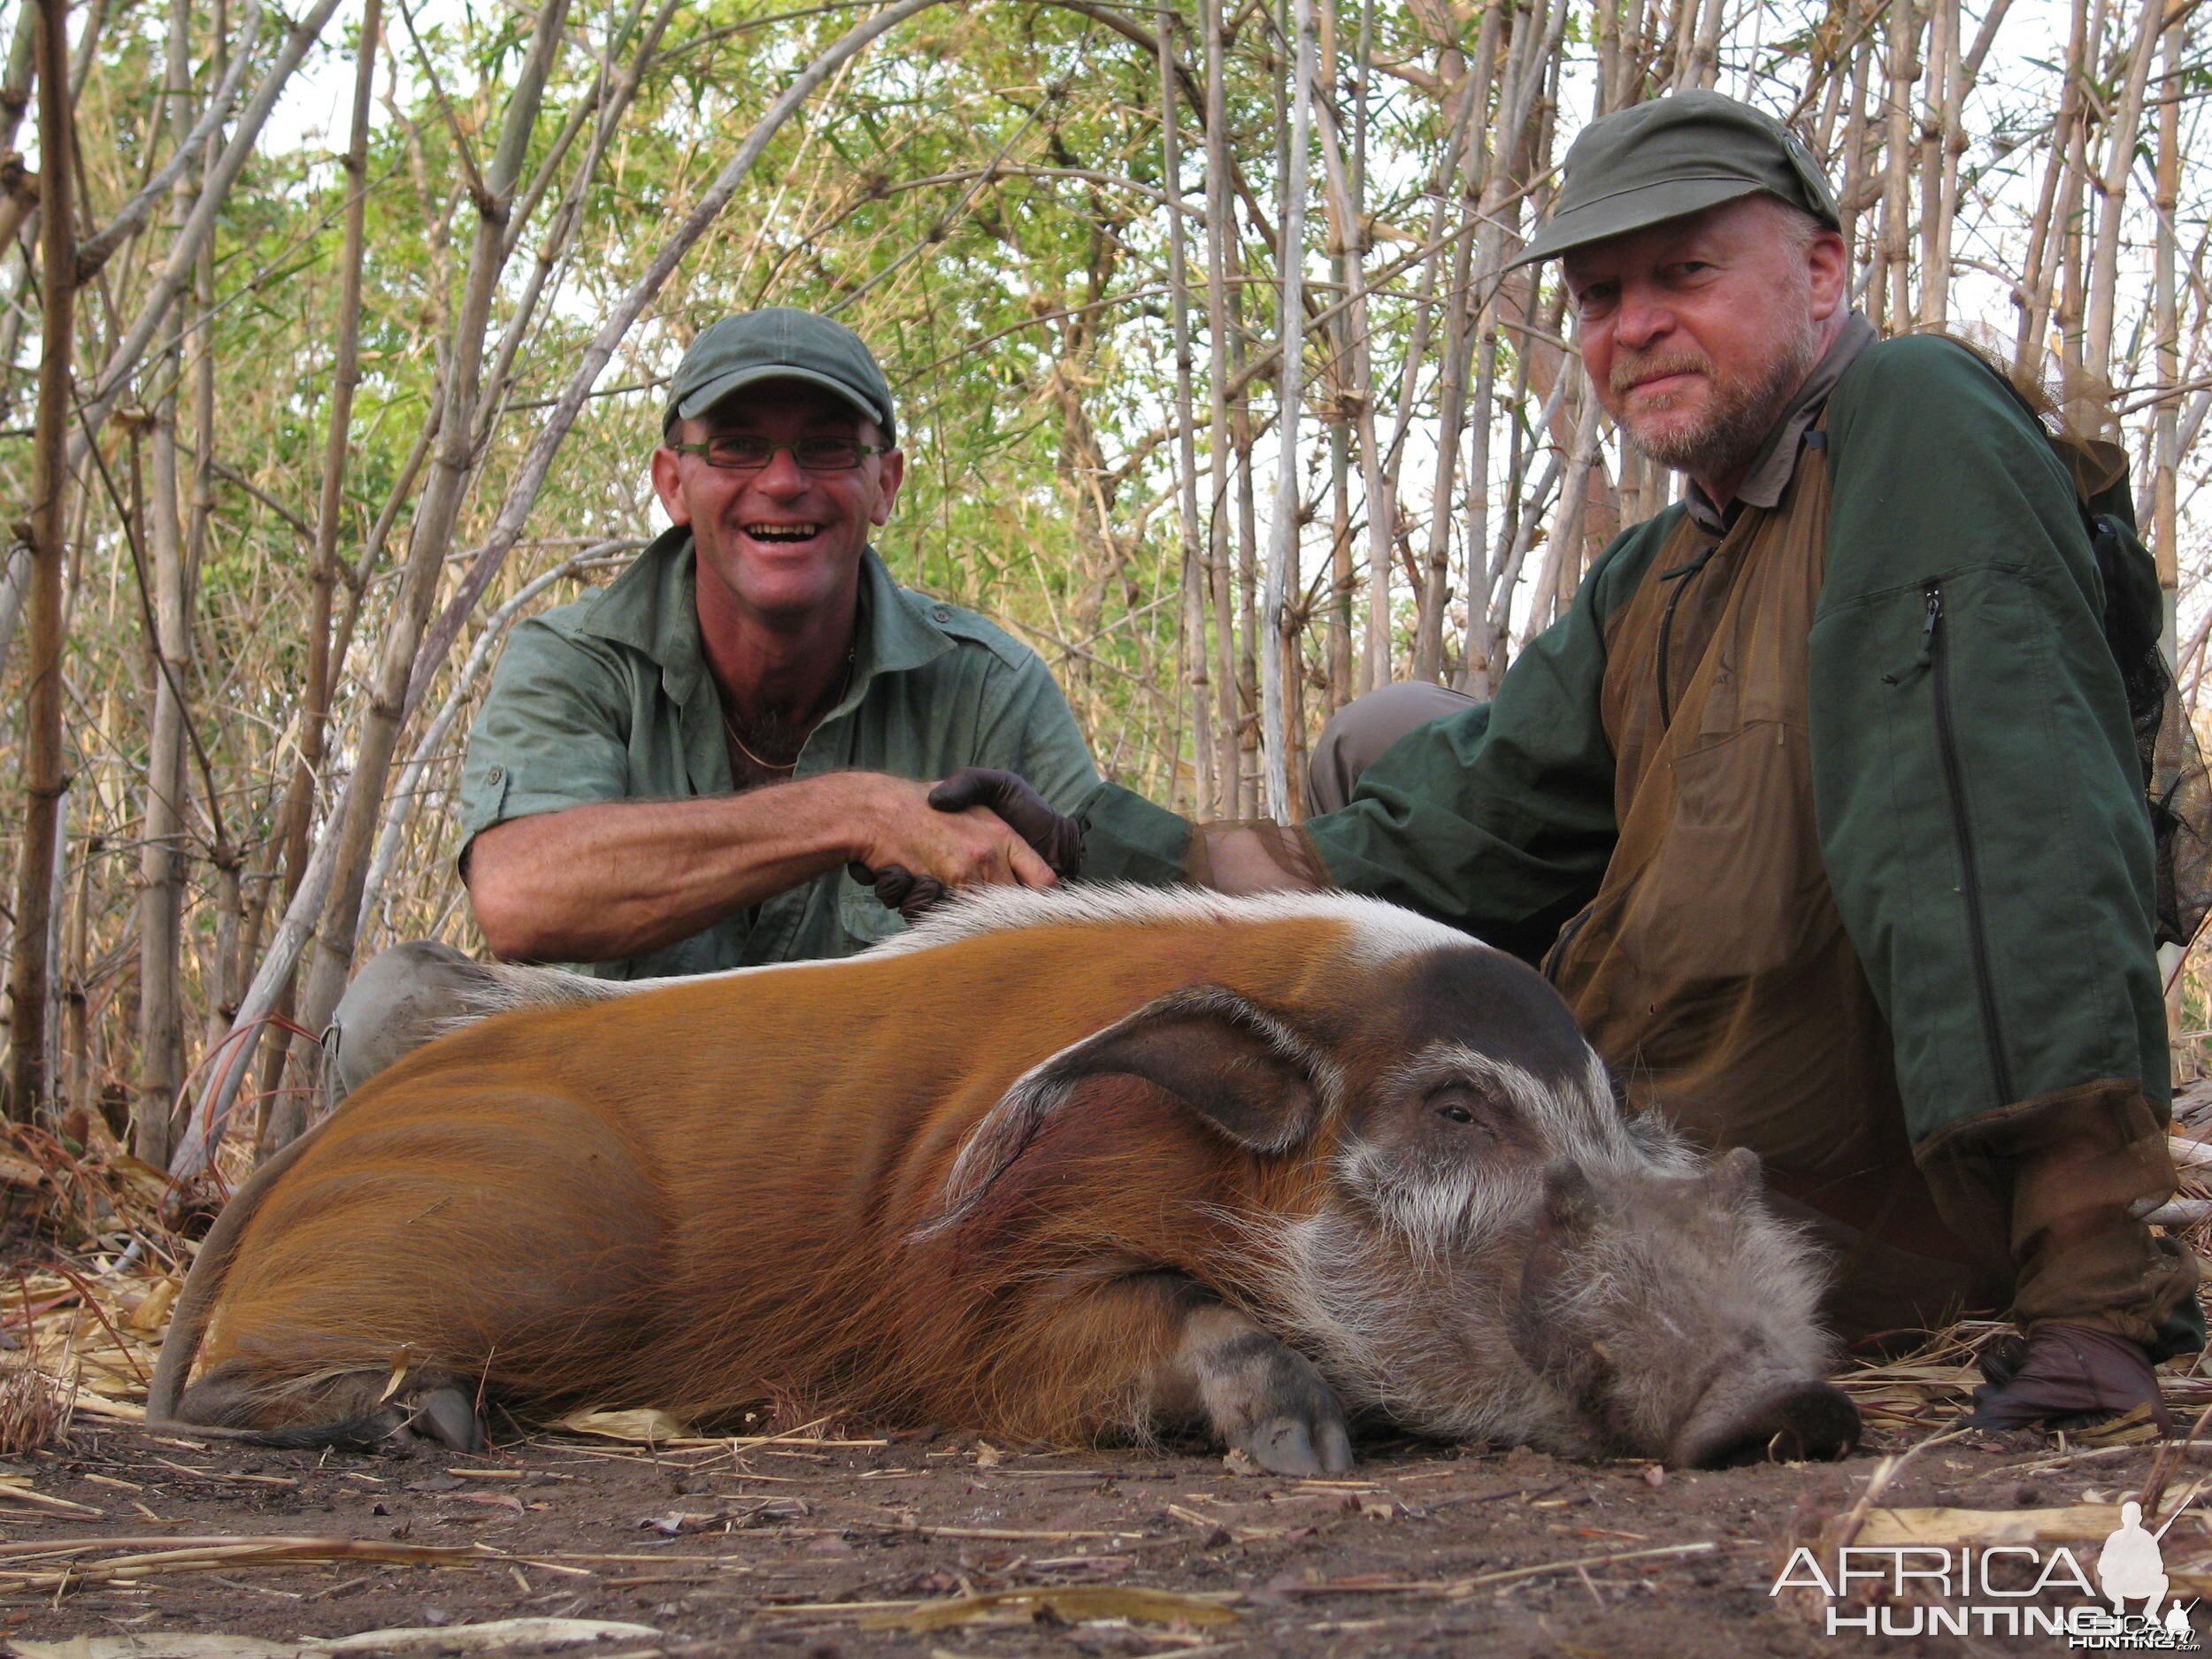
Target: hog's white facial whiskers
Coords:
[(1401, 1336)]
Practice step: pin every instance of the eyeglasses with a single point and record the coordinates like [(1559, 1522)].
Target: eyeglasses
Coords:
[(748, 452)]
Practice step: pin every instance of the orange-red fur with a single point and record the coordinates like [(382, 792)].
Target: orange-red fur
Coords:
[(705, 1196)]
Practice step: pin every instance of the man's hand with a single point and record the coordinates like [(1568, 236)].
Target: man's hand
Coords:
[(1055, 837), (2065, 1377), (909, 839), (988, 793)]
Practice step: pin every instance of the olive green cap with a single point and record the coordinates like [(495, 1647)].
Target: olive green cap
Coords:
[(1673, 157), (779, 342)]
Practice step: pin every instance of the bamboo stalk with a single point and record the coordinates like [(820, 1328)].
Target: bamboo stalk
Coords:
[(1283, 527), (30, 976), (1193, 610), (2166, 324), (161, 860), (2122, 134), (345, 375), (1221, 445), (451, 468)]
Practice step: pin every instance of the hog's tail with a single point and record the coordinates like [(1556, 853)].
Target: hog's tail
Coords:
[(188, 1324)]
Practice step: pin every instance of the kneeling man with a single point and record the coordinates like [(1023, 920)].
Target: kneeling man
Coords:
[(707, 764)]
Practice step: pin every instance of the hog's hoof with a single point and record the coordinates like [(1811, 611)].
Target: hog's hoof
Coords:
[(231, 1401), (446, 1416), (1264, 1397), (1290, 1446), (1281, 1413)]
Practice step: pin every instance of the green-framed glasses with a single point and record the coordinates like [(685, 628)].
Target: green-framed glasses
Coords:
[(748, 452)]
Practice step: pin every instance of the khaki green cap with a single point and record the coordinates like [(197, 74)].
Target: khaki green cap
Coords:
[(779, 342), (1673, 157)]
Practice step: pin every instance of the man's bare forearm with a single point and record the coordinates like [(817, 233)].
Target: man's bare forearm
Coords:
[(621, 878)]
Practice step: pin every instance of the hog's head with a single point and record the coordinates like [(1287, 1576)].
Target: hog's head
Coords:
[(1506, 1253)]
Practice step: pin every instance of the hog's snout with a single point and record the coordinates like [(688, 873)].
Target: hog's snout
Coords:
[(1806, 1422)]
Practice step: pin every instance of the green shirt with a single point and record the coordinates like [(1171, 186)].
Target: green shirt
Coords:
[(610, 699)]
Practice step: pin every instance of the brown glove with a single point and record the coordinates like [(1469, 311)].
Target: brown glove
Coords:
[(898, 888), (2064, 1377), (1056, 838)]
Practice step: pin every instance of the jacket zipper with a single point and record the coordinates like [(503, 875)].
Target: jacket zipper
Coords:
[(1935, 648)]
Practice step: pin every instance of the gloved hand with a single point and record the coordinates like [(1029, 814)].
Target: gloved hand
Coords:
[(898, 888), (1057, 839), (2064, 1377)]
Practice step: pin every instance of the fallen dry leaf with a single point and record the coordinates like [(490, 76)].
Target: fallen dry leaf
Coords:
[(680, 1522), (642, 1427), (152, 1310), (1071, 1602), (401, 1361)]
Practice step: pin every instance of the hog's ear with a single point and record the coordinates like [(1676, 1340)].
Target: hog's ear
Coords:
[(1242, 1069)]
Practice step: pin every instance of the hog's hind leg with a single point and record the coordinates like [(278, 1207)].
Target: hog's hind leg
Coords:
[(499, 1244), (350, 1412)]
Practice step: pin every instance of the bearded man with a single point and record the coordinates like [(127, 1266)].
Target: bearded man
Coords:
[(1820, 806)]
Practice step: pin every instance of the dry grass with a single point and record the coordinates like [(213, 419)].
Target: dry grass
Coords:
[(35, 1409), (94, 1267)]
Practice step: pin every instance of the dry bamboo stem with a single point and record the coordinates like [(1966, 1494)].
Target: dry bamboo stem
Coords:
[(452, 469), (161, 862), (2166, 323), (1193, 610), (2122, 132), (299, 800), (31, 976), (1283, 528), (1219, 234)]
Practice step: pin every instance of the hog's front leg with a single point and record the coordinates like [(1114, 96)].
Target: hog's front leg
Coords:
[(1260, 1396)]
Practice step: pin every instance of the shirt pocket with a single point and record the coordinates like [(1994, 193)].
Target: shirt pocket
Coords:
[(1733, 889)]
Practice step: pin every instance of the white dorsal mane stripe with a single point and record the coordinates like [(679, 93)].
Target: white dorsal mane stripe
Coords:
[(1380, 931), (1375, 934)]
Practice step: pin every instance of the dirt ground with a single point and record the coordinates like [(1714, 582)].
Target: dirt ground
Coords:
[(952, 1546), (825, 1542)]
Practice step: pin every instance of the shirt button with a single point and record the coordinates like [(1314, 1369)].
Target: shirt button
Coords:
[(941, 614), (495, 774)]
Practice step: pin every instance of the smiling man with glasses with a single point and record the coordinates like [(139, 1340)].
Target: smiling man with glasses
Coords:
[(712, 762)]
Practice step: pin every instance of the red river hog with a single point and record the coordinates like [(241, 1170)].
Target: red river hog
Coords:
[(1097, 1163)]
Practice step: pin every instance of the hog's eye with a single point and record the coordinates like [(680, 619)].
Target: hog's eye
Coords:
[(1455, 1113)]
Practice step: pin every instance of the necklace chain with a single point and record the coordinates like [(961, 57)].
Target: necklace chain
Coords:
[(765, 766), (730, 725)]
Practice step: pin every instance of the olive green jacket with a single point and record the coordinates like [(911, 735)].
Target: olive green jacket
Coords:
[(610, 699), (1983, 830)]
